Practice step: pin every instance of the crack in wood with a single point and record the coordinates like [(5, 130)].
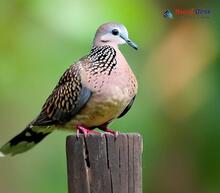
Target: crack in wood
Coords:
[(111, 181), (86, 153), (107, 151), (87, 163)]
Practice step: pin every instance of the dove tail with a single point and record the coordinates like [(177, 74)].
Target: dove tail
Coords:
[(24, 141)]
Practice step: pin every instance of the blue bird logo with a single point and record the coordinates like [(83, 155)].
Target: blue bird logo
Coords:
[(168, 14)]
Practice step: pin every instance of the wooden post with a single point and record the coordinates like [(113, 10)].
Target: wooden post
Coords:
[(104, 164)]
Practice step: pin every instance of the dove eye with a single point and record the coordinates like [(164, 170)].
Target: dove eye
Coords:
[(115, 32)]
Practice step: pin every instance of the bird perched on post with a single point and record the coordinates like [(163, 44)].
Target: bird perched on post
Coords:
[(91, 93)]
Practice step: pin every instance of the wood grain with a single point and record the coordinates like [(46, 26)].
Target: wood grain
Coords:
[(104, 164)]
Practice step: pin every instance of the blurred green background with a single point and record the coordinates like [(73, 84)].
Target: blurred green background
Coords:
[(177, 109)]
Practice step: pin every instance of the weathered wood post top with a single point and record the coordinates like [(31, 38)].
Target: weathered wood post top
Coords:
[(104, 164)]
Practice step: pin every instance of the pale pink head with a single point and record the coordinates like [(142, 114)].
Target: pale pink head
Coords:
[(112, 34)]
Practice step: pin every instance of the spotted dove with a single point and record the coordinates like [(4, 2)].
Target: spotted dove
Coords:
[(91, 93)]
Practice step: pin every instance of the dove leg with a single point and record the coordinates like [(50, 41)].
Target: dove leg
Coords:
[(107, 130), (84, 130)]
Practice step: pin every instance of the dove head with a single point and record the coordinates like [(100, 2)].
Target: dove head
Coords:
[(112, 34)]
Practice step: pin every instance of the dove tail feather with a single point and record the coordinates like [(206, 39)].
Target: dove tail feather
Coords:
[(2, 154), (25, 140)]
